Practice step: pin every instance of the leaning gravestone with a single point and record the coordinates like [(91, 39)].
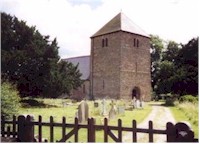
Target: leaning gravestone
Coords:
[(83, 112)]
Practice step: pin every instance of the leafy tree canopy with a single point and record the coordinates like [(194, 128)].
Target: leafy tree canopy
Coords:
[(30, 60), (174, 67)]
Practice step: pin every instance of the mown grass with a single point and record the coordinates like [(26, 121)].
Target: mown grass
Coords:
[(57, 109), (187, 112)]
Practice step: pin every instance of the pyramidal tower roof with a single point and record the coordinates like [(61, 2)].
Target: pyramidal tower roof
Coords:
[(120, 23)]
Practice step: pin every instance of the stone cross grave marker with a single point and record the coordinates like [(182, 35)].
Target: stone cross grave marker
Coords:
[(83, 112)]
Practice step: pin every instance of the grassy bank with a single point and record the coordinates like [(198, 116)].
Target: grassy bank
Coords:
[(187, 112), (64, 107)]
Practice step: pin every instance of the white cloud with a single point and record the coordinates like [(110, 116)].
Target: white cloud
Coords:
[(73, 22)]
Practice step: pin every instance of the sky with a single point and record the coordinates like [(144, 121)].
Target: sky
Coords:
[(73, 22)]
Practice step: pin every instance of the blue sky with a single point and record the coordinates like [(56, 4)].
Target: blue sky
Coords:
[(92, 3), (72, 22)]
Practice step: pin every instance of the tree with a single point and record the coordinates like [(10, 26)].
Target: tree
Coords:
[(186, 63), (165, 73), (171, 52), (174, 69), (166, 68), (30, 60), (10, 100), (156, 44), (63, 79)]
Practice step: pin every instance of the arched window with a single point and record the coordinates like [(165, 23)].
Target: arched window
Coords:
[(103, 43), (134, 42), (136, 93), (137, 43), (106, 42)]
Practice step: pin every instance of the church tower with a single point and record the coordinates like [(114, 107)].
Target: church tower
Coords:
[(120, 61)]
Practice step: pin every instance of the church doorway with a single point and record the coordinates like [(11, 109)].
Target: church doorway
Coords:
[(136, 93)]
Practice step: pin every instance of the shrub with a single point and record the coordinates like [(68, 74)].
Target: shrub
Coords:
[(188, 98), (169, 101), (9, 100)]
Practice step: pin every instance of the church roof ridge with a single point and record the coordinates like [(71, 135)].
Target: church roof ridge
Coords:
[(84, 65), (75, 57), (120, 22)]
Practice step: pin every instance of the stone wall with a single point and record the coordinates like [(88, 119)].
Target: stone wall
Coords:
[(82, 92), (119, 67), (135, 66), (105, 71)]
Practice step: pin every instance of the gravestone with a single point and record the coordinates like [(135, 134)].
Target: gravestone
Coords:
[(141, 104), (121, 110), (96, 109), (137, 104), (104, 112), (64, 104), (83, 112), (76, 114), (134, 102), (121, 107), (96, 104), (113, 111)]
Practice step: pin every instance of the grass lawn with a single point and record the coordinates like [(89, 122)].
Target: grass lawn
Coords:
[(187, 112), (55, 108)]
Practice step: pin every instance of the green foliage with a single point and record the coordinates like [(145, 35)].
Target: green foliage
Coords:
[(10, 100), (187, 111), (188, 98), (30, 60), (62, 79), (174, 68), (169, 101), (171, 52), (186, 64), (164, 75), (156, 48)]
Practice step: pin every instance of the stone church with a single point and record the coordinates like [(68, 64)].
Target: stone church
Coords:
[(119, 64)]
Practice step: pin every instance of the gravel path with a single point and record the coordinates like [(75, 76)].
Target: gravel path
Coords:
[(160, 115)]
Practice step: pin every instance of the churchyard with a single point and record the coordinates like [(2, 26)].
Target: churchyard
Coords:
[(111, 109)]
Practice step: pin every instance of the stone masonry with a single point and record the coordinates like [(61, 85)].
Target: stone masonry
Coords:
[(121, 65)]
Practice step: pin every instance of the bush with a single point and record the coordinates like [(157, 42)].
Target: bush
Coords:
[(10, 100), (169, 101), (188, 98)]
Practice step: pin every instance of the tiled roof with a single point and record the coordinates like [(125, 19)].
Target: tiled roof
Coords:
[(120, 22), (84, 65)]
